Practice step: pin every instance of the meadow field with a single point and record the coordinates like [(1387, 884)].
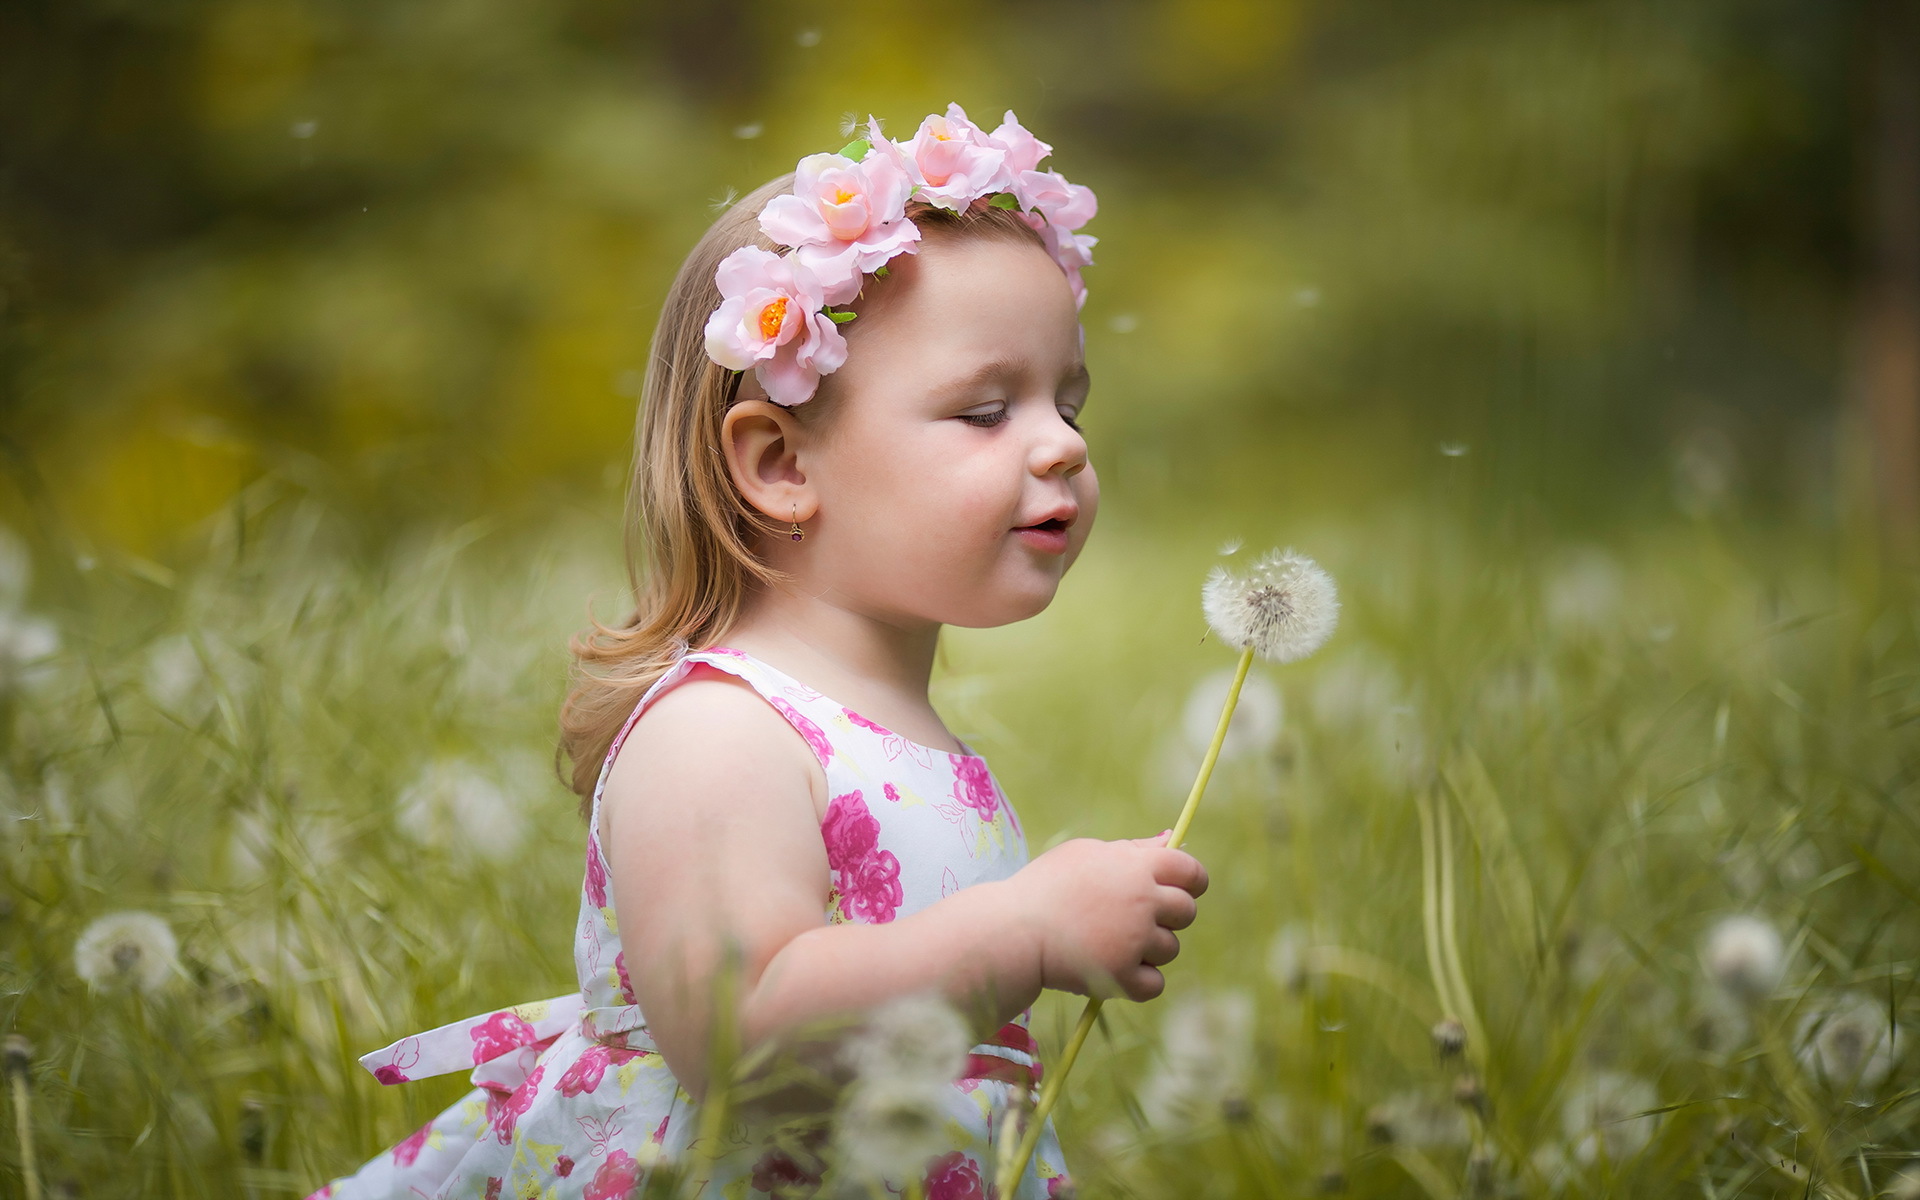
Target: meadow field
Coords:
[(1564, 869)]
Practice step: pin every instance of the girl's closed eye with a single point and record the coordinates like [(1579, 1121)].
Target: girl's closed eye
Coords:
[(988, 419)]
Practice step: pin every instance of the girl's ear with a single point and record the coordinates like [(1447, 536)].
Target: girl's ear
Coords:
[(762, 443)]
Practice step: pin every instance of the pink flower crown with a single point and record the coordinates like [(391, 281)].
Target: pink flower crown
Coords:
[(847, 215)]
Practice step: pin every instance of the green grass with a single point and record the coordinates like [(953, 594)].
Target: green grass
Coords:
[(1613, 747)]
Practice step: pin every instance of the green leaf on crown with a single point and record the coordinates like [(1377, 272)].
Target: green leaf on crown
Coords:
[(839, 318), (880, 272), (1005, 200), (856, 149)]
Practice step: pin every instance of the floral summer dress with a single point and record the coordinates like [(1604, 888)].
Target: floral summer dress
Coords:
[(571, 1096)]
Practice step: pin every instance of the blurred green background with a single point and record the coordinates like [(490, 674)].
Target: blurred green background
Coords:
[(1579, 340)]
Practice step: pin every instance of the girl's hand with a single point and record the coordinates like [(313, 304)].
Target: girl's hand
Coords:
[(1104, 913)]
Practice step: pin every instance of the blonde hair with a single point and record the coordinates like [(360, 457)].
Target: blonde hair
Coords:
[(690, 534)]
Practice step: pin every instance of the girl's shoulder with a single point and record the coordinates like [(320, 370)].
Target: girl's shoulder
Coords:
[(711, 727)]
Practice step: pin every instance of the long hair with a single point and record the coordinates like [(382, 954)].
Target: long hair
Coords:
[(690, 534)]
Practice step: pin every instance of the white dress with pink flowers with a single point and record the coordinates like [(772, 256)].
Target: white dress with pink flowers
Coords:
[(572, 1098)]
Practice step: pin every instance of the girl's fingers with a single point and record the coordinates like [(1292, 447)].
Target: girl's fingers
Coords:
[(1162, 948), (1144, 983), (1180, 869), (1174, 908)]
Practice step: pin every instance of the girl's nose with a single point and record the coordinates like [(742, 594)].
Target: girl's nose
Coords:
[(1061, 449)]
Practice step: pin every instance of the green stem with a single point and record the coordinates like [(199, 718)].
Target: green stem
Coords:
[(23, 1125), (1056, 1079)]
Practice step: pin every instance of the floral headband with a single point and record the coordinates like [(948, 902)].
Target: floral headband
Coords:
[(847, 215)]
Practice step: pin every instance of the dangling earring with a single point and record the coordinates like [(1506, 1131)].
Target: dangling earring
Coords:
[(798, 532)]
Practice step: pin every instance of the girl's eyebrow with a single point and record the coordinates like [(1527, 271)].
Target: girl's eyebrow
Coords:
[(999, 369)]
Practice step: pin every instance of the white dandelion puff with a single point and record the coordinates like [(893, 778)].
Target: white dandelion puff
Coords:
[(920, 1037), (1257, 718), (453, 803), (1745, 956), (850, 125), (130, 949), (1853, 1043), (1420, 1120), (1285, 607), (1206, 1050), (1605, 1115), (890, 1127)]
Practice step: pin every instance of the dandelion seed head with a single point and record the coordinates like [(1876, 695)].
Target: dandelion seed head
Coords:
[(454, 803), (1420, 1120), (1257, 718), (1285, 607), (1230, 547), (1206, 1045), (890, 1127), (850, 125), (918, 1037), (1851, 1043), (1745, 956), (130, 949), (1602, 1115)]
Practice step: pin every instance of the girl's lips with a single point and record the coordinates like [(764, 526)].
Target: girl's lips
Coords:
[(1048, 538)]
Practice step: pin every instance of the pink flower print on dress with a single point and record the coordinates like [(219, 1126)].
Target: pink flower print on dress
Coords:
[(503, 1112), (405, 1154), (867, 877), (587, 1070), (626, 982), (563, 1166), (498, 1034), (494, 1183), (600, 1130), (890, 792), (816, 740), (973, 786), (779, 1175), (406, 1056), (891, 742), (615, 1178), (954, 1177), (596, 874)]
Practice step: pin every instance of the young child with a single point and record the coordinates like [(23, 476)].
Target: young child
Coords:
[(815, 496)]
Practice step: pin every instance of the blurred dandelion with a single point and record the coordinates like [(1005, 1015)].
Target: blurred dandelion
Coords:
[(918, 1036), (1288, 957), (1584, 593), (1602, 1115), (1851, 1043), (893, 1119), (454, 803), (130, 949), (1206, 1052), (1123, 322), (749, 131), (807, 38), (1420, 1120), (1453, 449), (1257, 718), (1745, 956), (26, 643)]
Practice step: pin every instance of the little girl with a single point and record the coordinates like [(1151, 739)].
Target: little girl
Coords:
[(861, 423)]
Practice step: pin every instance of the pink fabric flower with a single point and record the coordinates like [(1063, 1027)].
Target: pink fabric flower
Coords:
[(843, 218), (769, 319), (867, 877), (615, 1178), (498, 1034), (1067, 205), (973, 786), (954, 1177), (407, 1152), (585, 1073), (503, 1112), (596, 875), (951, 160), (816, 738), (1024, 151), (563, 1166)]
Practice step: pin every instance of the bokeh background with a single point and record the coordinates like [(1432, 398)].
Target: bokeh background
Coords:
[(1579, 339)]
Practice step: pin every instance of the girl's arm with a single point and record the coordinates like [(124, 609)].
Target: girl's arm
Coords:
[(713, 835)]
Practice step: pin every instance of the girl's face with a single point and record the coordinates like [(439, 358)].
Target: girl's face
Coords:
[(952, 483)]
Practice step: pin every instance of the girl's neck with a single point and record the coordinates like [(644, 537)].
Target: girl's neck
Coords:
[(879, 667)]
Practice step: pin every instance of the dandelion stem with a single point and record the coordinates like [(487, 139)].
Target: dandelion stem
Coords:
[(23, 1126), (1056, 1078), (1449, 939)]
